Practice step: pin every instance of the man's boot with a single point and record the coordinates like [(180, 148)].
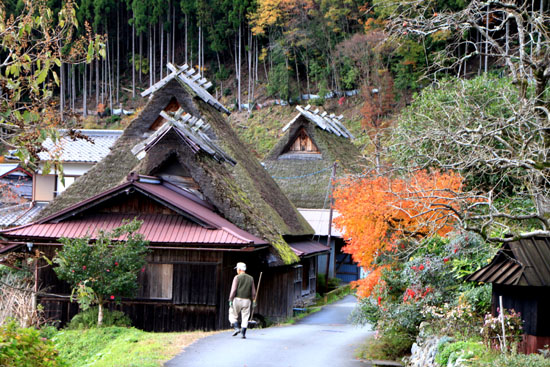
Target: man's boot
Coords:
[(236, 327), (243, 332)]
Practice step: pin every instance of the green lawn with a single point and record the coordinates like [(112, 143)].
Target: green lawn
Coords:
[(121, 347)]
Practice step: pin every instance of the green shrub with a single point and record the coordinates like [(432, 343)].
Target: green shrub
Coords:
[(317, 101), (515, 360), (389, 345), (88, 319), (24, 347), (479, 298), (450, 352)]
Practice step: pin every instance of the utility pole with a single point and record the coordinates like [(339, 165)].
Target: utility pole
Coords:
[(332, 176)]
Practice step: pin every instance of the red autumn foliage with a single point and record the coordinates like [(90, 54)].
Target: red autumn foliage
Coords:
[(378, 212)]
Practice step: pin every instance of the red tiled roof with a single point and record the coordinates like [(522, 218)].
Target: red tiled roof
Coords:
[(196, 224)]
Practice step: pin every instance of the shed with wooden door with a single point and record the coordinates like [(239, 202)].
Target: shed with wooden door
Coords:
[(520, 274), (206, 203)]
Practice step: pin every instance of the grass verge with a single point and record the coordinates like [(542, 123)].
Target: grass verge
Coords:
[(328, 298), (121, 347)]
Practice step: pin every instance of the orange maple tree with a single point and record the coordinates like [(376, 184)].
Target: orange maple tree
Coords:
[(379, 212)]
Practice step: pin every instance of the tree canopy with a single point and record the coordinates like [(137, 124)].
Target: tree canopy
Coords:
[(105, 269)]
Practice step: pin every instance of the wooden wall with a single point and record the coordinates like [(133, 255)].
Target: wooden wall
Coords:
[(197, 299), (532, 302)]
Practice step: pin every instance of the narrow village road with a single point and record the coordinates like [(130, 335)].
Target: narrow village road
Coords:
[(325, 338)]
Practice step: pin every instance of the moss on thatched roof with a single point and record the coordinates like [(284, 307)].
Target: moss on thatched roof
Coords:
[(306, 181), (243, 193)]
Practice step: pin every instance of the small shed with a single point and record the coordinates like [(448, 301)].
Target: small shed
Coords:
[(206, 204), (520, 273)]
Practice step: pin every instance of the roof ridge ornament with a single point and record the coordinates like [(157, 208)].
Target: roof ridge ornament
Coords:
[(330, 123), (191, 78), (191, 129)]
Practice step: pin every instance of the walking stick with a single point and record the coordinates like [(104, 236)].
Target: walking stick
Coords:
[(254, 301)]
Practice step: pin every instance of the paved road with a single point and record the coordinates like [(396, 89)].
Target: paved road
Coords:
[(325, 338)]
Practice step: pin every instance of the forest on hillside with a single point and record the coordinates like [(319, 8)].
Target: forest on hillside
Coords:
[(61, 59), (455, 110), (292, 47)]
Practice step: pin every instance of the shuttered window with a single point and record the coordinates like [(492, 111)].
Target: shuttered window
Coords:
[(156, 281), (195, 283)]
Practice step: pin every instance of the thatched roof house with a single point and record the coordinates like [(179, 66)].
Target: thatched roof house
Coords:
[(238, 187), (205, 202), (301, 162)]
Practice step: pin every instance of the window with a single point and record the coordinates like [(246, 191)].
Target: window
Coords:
[(156, 282)]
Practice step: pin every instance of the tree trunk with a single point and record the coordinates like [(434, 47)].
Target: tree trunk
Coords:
[(140, 55), (84, 96), (249, 68), (487, 41), (161, 66), (199, 50), (174, 33), (61, 90), (297, 72), (117, 53), (73, 87), (186, 61), (154, 54), (239, 66), (90, 84), (100, 315), (110, 76), (133, 61), (150, 57)]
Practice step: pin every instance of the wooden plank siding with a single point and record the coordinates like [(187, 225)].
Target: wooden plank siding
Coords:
[(532, 302), (185, 290), (303, 144)]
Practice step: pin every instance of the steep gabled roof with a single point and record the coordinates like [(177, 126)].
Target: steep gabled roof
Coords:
[(525, 262), (323, 120), (193, 79), (305, 178), (243, 192), (192, 131)]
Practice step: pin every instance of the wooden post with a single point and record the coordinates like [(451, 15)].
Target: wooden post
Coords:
[(333, 174), (35, 294), (502, 322)]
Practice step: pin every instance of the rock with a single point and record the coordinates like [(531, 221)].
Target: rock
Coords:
[(423, 352)]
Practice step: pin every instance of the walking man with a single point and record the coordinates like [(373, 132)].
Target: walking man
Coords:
[(242, 293)]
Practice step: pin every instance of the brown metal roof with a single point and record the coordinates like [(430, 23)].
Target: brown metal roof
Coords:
[(525, 262), (308, 248), (196, 224)]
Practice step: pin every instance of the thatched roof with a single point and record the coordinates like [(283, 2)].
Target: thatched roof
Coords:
[(242, 192), (305, 178)]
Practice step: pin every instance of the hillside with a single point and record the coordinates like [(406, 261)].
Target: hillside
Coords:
[(262, 128)]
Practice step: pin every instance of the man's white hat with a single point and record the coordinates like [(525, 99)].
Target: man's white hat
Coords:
[(241, 266)]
